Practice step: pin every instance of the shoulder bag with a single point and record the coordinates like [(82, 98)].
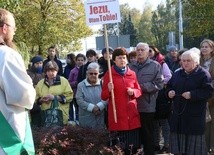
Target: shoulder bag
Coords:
[(52, 116)]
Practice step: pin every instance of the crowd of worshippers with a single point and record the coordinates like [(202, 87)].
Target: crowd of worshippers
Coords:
[(157, 98), (145, 100)]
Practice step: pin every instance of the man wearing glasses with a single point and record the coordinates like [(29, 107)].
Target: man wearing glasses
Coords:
[(17, 93)]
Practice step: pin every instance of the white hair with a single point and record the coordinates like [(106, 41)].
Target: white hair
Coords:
[(145, 45), (196, 50), (194, 53), (93, 65)]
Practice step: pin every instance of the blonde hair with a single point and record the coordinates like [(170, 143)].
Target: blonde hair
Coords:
[(210, 43), (4, 14)]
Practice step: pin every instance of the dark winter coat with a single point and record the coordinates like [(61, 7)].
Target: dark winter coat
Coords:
[(188, 116), (36, 77), (67, 70), (82, 72), (173, 64), (103, 66)]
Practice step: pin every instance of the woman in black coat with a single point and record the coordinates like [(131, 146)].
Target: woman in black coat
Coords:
[(189, 88)]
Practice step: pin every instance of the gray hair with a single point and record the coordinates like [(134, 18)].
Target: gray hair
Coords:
[(145, 45), (51, 65), (194, 53), (93, 65)]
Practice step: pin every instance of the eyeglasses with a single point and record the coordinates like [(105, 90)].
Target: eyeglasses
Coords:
[(13, 27), (92, 73), (140, 49)]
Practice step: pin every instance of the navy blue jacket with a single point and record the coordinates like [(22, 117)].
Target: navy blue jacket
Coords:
[(188, 116), (82, 72), (67, 70)]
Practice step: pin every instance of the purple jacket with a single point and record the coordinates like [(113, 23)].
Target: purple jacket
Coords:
[(73, 78), (166, 73)]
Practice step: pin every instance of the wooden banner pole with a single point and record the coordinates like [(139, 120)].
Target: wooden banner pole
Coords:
[(110, 74)]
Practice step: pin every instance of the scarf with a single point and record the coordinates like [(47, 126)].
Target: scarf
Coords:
[(121, 71)]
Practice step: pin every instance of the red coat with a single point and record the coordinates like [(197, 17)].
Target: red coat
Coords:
[(126, 106)]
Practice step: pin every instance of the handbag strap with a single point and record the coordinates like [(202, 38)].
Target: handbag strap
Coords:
[(55, 103), (11, 143)]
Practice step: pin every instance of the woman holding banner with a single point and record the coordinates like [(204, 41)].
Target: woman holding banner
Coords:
[(126, 90)]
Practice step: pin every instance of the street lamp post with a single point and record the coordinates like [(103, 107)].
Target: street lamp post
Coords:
[(180, 26), (118, 34)]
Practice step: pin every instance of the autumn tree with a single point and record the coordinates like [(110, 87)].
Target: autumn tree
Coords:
[(145, 25), (42, 23), (164, 20), (198, 21), (127, 26), (14, 6)]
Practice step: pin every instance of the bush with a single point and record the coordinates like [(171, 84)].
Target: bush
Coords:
[(73, 140)]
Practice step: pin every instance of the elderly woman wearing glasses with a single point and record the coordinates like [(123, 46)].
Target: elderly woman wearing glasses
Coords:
[(88, 98)]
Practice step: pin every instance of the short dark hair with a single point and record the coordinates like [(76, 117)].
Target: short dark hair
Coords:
[(132, 54), (119, 51), (81, 55), (51, 65), (104, 50), (71, 56), (181, 51), (53, 46), (91, 52), (155, 49)]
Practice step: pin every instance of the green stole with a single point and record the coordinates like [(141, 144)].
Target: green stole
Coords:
[(11, 143)]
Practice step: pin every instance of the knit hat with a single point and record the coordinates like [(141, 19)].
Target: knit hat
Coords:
[(109, 49), (172, 48), (36, 59)]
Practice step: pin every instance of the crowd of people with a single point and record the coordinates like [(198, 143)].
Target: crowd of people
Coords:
[(143, 98), (156, 97)]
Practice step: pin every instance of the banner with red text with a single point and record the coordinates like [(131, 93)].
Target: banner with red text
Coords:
[(102, 11)]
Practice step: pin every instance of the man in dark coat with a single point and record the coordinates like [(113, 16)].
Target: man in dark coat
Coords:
[(91, 57), (52, 56), (103, 61)]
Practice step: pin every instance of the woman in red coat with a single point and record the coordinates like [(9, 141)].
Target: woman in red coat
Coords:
[(126, 90)]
